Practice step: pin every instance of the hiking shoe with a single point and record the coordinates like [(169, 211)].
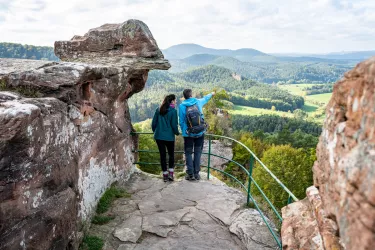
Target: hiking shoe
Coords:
[(171, 176), (189, 177), (165, 177), (197, 177)]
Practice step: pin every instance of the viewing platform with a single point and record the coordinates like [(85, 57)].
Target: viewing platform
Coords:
[(205, 214)]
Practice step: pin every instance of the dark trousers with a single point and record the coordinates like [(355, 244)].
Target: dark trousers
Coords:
[(193, 144), (163, 154)]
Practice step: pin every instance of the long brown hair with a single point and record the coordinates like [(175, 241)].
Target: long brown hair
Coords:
[(166, 103)]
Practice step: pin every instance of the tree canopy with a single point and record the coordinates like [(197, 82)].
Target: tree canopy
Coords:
[(15, 50)]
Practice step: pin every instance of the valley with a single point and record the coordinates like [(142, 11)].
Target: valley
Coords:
[(276, 105), (273, 104), (313, 104)]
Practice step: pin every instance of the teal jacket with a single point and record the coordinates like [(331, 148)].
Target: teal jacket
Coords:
[(165, 127), (182, 112)]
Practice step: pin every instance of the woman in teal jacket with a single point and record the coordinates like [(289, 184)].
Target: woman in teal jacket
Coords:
[(165, 127)]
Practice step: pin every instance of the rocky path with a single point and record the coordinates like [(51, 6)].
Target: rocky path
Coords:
[(182, 215)]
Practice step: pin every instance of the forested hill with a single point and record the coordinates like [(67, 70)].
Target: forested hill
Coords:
[(263, 67), (15, 50), (266, 70), (241, 91), (181, 51)]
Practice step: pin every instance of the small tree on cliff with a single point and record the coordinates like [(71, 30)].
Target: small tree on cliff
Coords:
[(292, 166), (242, 156), (217, 125)]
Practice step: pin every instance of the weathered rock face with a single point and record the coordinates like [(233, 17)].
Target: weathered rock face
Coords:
[(300, 229), (114, 41), (344, 172), (63, 147)]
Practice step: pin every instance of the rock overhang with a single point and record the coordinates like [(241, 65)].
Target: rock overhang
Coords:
[(130, 42)]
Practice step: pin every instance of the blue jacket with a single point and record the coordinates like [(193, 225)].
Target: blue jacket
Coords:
[(182, 112), (165, 127)]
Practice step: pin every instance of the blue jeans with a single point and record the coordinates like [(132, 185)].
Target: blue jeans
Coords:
[(196, 144)]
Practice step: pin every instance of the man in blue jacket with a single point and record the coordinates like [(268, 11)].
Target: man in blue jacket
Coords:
[(192, 141)]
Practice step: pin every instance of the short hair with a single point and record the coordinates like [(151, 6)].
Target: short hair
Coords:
[(187, 93)]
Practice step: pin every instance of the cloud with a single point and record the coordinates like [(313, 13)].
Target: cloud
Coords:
[(4, 4), (267, 25)]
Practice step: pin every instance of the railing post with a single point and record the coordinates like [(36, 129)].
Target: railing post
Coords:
[(209, 157), (251, 165), (290, 200)]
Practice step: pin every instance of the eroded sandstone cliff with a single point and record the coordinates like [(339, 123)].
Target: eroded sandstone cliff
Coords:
[(65, 132), (340, 207)]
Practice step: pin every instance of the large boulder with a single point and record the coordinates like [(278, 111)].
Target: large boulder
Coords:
[(344, 175), (64, 139), (115, 41)]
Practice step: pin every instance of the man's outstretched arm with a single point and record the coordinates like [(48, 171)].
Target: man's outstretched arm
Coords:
[(206, 98)]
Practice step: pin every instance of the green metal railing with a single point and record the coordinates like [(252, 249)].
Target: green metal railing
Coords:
[(253, 158)]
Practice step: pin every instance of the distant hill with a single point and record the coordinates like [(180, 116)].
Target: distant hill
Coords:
[(186, 55), (199, 59), (266, 72), (182, 51), (204, 59), (15, 50), (355, 55), (206, 74)]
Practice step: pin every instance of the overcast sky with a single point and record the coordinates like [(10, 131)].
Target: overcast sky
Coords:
[(311, 26)]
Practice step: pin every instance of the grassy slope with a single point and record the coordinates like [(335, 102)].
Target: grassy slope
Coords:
[(243, 110), (309, 107), (323, 98), (297, 89)]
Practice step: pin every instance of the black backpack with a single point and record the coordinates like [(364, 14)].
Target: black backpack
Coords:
[(194, 120)]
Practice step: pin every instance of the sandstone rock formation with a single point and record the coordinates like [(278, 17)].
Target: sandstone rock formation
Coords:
[(111, 41), (65, 134), (344, 174), (300, 229)]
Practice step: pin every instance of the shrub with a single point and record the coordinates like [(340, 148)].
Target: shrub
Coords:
[(108, 197), (101, 220), (293, 167), (92, 243)]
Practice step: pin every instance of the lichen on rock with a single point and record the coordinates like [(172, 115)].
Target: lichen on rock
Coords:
[(114, 42)]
